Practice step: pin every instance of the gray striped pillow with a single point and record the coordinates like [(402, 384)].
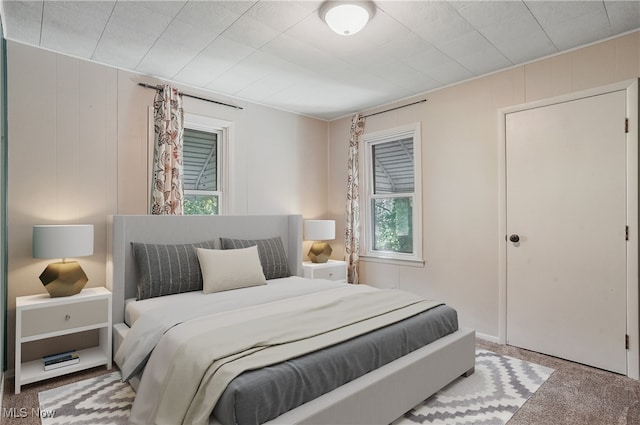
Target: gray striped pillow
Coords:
[(273, 258), (168, 269)]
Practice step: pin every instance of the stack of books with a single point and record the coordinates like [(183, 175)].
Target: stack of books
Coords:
[(55, 361)]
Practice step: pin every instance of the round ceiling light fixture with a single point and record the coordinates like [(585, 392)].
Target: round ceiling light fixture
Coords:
[(347, 17)]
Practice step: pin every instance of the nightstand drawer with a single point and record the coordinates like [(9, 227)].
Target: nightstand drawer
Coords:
[(331, 273), (63, 317)]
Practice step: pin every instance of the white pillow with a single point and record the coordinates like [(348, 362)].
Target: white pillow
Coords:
[(230, 269)]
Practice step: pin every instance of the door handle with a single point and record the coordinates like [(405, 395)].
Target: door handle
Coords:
[(514, 238)]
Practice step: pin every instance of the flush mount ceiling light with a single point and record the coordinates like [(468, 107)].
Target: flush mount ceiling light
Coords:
[(347, 17)]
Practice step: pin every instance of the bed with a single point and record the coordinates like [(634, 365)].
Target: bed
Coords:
[(375, 396)]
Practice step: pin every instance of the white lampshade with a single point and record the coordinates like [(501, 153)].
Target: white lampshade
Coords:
[(319, 230), (347, 17), (62, 241)]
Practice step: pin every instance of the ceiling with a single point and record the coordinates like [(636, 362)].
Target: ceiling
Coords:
[(281, 54)]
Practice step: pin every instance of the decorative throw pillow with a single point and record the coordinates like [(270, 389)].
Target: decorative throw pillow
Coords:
[(231, 269), (167, 269), (271, 251)]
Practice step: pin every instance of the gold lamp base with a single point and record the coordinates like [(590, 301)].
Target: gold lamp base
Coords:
[(320, 252), (63, 279)]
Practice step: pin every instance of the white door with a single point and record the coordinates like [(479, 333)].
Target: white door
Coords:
[(566, 214)]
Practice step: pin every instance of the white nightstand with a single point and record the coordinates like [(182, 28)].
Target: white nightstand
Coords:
[(40, 316), (332, 270)]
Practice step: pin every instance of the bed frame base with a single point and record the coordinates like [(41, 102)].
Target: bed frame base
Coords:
[(385, 394)]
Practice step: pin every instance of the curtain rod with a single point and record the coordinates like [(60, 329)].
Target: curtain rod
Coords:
[(393, 109), (148, 86)]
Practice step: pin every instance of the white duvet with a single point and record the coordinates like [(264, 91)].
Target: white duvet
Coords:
[(148, 329)]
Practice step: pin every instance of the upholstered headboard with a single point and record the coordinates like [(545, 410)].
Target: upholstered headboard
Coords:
[(124, 229)]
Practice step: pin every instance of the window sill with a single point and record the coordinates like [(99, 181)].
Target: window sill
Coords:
[(394, 261)]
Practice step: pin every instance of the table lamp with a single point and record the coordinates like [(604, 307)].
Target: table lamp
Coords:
[(63, 278), (319, 231)]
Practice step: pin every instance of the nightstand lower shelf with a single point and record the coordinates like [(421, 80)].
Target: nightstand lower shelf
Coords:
[(33, 371)]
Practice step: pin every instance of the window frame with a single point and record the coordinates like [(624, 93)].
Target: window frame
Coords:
[(367, 195)]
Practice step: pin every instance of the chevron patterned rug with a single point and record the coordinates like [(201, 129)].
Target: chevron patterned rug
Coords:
[(104, 399), (499, 387)]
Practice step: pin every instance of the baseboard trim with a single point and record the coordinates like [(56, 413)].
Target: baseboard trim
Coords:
[(489, 338)]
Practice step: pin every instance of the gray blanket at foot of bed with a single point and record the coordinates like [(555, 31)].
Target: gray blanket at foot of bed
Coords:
[(260, 395)]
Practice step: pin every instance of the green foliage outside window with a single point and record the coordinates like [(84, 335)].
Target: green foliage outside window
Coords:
[(201, 205), (393, 226)]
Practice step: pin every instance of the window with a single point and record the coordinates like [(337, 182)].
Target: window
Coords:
[(392, 206), (207, 153), (201, 161), (206, 157)]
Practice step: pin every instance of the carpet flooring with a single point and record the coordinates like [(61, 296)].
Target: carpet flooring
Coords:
[(573, 394)]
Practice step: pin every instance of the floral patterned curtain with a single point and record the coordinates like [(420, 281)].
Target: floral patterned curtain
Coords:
[(166, 190), (352, 231)]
